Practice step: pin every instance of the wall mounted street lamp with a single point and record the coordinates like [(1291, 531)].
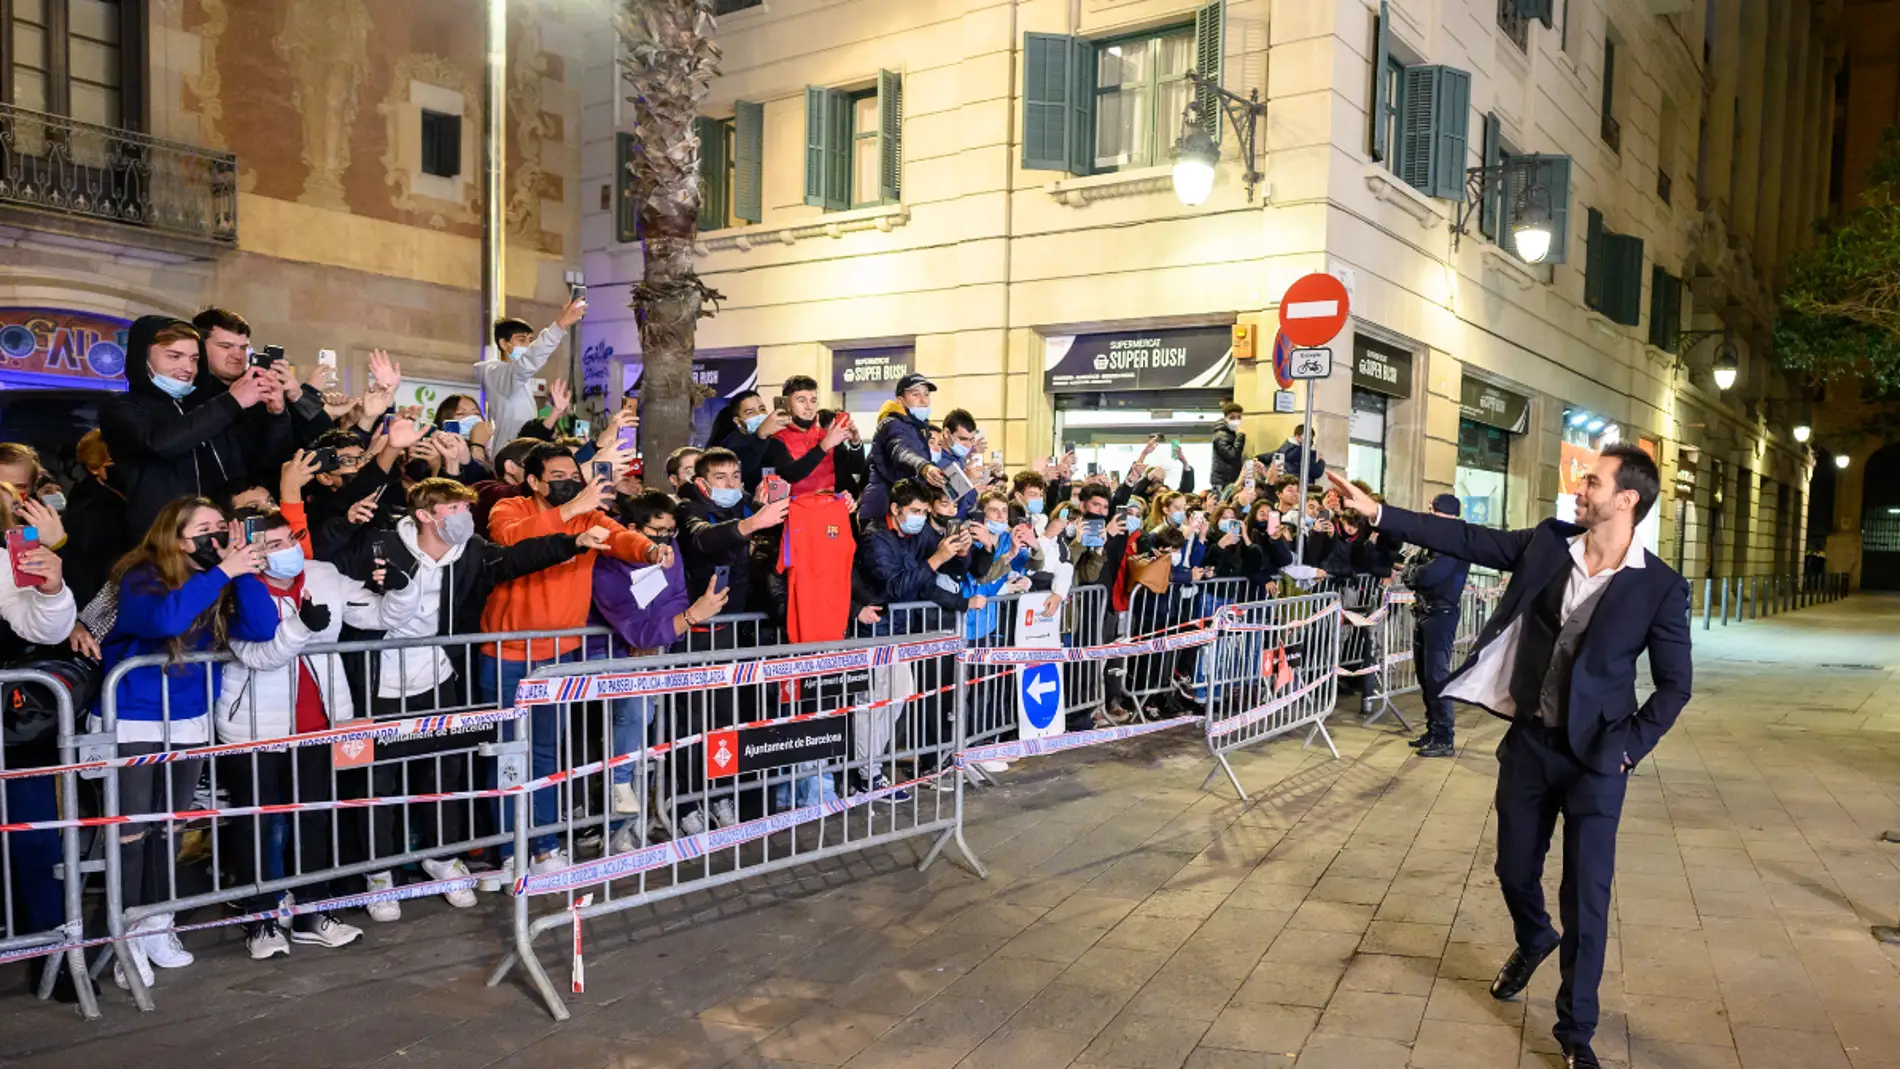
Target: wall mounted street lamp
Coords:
[(1840, 461), (1195, 153), (1727, 366), (1532, 218), (1802, 432)]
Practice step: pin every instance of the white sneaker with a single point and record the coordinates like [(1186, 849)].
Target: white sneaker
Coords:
[(993, 766), (499, 879), (452, 869), (623, 842), (693, 823), (130, 949), (385, 912), (553, 861), (725, 814), (265, 940), (160, 944), (321, 929), (625, 798)]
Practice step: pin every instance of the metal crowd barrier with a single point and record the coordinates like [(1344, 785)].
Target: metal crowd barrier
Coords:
[(1398, 625), (1159, 682), (789, 754), (1272, 669), (41, 869)]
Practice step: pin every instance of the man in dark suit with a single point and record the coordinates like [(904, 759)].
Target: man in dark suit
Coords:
[(1558, 660)]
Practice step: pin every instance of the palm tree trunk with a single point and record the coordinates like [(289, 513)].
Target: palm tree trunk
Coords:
[(668, 61)]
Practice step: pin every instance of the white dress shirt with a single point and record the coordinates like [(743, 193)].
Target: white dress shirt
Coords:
[(1488, 682)]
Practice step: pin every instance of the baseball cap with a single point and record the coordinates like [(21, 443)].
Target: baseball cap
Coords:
[(1447, 504), (912, 380)]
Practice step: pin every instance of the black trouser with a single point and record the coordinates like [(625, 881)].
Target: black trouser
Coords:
[(422, 765), (147, 850), (278, 845), (1432, 637), (1538, 779)]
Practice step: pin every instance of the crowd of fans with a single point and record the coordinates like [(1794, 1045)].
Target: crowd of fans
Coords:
[(233, 505)]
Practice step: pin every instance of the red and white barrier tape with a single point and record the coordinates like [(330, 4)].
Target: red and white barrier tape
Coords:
[(586, 687)]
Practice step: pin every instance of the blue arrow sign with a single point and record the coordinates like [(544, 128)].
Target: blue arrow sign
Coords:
[(1041, 689)]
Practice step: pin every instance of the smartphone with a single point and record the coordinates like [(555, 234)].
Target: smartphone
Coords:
[(326, 358), (604, 471), (577, 291), (1067, 448), (428, 429), (628, 439), (268, 355), (20, 542), (1094, 468), (781, 404), (327, 460), (253, 530), (1273, 522), (378, 549), (1198, 516), (583, 429), (779, 490), (721, 575)]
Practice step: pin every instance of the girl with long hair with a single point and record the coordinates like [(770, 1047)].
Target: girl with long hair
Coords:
[(188, 587)]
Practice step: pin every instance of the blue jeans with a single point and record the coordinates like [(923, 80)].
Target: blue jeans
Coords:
[(545, 727), (631, 716)]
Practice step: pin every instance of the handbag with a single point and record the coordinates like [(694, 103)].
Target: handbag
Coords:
[(1151, 571)]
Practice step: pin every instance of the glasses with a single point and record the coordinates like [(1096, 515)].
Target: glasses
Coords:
[(352, 460)]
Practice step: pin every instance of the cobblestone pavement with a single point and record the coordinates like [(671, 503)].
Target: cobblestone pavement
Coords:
[(1347, 917)]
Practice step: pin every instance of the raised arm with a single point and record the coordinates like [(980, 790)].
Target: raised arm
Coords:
[(1502, 550)]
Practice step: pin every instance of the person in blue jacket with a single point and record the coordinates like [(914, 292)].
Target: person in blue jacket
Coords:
[(1438, 583), (189, 587), (900, 449)]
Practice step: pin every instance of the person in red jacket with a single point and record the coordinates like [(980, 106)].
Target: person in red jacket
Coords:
[(806, 453)]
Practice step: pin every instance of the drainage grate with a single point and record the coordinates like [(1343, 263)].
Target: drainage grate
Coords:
[(1856, 667)]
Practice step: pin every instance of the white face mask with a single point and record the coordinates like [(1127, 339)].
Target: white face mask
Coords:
[(1233, 424)]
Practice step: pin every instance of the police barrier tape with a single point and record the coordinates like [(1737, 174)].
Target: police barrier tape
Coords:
[(597, 686)]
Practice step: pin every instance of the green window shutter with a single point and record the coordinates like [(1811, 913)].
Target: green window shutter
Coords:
[(890, 137), (1381, 57), (712, 172), (838, 151), (1623, 292), (748, 170), (1554, 173), (1496, 187), (816, 158), (626, 205), (1451, 134), (1675, 315), (1595, 263), (1416, 133), (1058, 103), (1658, 307), (1536, 9), (1210, 23)]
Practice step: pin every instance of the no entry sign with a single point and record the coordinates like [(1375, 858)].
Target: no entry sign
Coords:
[(1314, 310)]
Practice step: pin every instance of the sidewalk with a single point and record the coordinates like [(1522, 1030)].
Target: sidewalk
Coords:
[(1346, 919)]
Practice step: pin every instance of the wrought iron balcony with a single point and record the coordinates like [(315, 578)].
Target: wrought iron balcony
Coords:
[(62, 167)]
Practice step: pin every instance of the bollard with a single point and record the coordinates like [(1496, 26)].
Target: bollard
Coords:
[(1725, 601), (1708, 601)]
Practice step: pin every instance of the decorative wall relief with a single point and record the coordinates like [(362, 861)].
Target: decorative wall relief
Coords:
[(323, 44)]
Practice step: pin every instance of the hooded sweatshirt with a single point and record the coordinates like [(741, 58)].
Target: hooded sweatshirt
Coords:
[(165, 448)]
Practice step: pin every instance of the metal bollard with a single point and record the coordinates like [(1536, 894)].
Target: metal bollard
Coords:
[(1725, 601), (1708, 602)]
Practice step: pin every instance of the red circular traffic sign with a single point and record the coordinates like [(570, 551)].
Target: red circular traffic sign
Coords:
[(1283, 360), (1314, 310)]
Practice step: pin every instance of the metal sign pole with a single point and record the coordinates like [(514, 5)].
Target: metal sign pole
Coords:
[(1306, 463)]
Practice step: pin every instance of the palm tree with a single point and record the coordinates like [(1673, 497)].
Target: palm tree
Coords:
[(668, 61)]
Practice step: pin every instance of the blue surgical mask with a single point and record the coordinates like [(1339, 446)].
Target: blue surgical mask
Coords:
[(177, 390), (752, 423), (1230, 527), (996, 527), (913, 524), (960, 449), (1177, 517), (936, 455), (725, 496), (519, 352), (920, 412), (286, 563), (55, 501), (1033, 505)]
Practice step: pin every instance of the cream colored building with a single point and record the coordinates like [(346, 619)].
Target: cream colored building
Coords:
[(312, 164), (979, 188)]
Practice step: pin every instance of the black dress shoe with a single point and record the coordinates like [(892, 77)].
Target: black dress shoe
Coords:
[(1516, 973), (1579, 1056), (1423, 740)]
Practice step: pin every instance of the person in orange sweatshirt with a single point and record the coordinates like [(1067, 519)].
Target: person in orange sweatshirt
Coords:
[(564, 501)]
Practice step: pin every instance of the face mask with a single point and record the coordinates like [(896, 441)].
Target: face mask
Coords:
[(1233, 424), (208, 549), (172, 387), (464, 426), (55, 501), (561, 491), (284, 563), (912, 524), (519, 352), (753, 423), (996, 527), (1033, 505), (921, 413), (1177, 517), (936, 455), (456, 528), (416, 469), (1230, 527), (960, 450), (662, 540), (725, 496)]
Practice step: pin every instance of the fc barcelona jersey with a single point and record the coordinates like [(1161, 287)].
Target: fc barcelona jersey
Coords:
[(816, 555)]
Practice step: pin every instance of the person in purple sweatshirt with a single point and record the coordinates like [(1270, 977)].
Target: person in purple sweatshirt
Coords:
[(651, 628)]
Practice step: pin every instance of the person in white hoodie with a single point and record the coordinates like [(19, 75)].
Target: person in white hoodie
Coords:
[(507, 375), (275, 690)]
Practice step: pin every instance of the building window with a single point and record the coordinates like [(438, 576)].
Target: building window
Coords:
[(441, 144), (1365, 439), (82, 59), (1482, 475), (853, 145), (1613, 272), (1141, 90), (1666, 149), (626, 203), (1391, 105), (1612, 131), (1515, 26), (864, 149), (1665, 309)]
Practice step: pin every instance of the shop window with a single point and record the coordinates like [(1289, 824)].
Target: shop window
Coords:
[(1365, 439), (441, 144), (1613, 272), (1093, 106), (854, 145), (1482, 475), (1498, 214), (1420, 119), (83, 59)]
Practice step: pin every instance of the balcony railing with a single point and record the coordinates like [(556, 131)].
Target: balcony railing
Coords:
[(56, 165), (1514, 24)]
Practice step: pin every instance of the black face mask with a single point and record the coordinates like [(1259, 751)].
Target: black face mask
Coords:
[(416, 469), (662, 540), (207, 550), (561, 491), (803, 424)]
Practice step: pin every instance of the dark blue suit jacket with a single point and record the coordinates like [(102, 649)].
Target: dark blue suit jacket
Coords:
[(1642, 608)]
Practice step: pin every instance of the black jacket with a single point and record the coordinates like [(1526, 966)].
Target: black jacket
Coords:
[(750, 449), (168, 449), (1642, 609), (710, 538), (97, 535), (1230, 452), (893, 568)]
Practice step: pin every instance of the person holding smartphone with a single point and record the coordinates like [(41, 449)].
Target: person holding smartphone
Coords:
[(507, 375)]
